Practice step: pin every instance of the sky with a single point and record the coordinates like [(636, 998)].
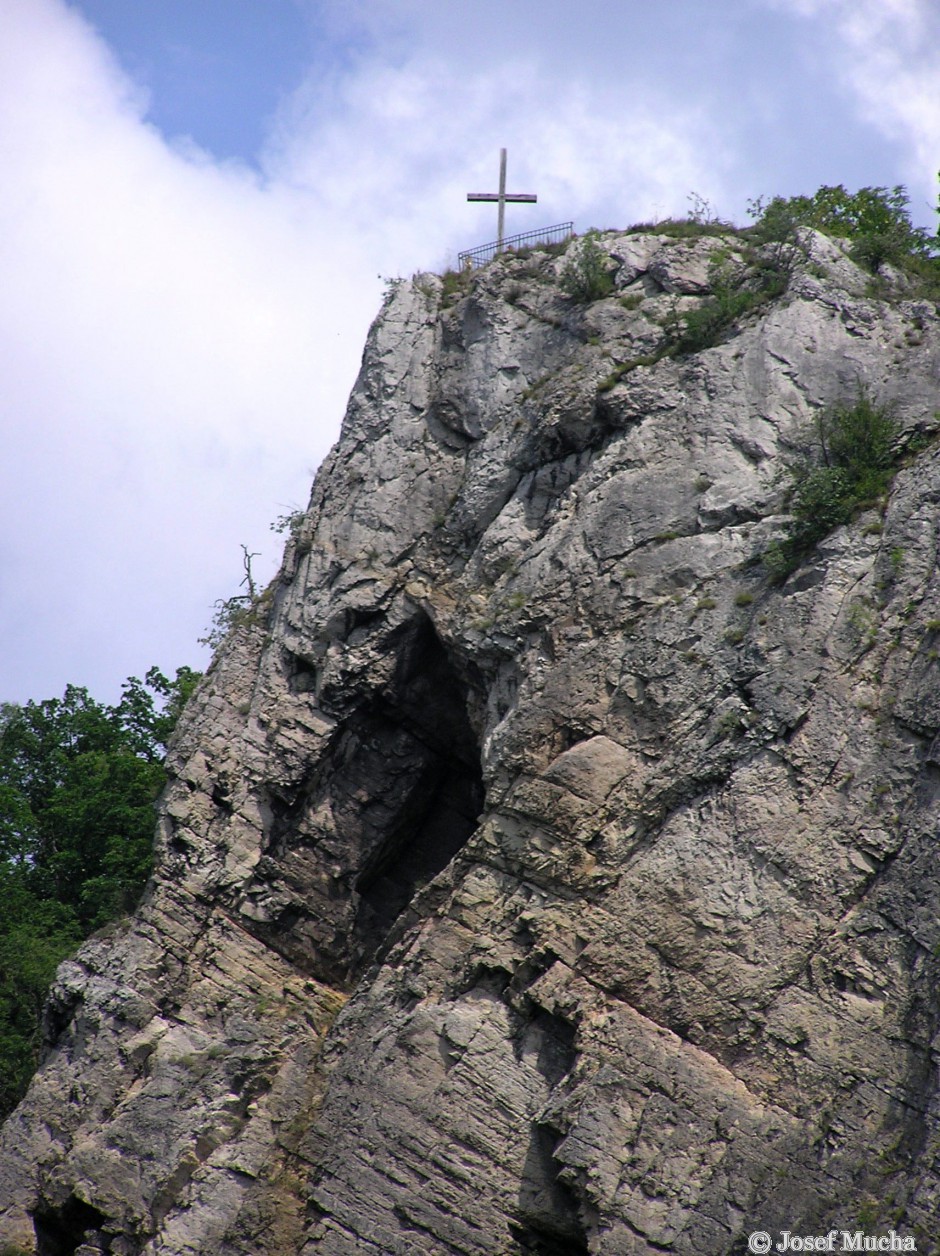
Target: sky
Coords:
[(203, 199)]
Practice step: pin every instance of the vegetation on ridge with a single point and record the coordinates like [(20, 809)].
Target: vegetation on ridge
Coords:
[(876, 221)]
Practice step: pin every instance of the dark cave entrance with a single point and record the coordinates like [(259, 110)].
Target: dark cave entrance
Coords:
[(443, 814), (61, 1231), (437, 795), (550, 1221), (384, 810)]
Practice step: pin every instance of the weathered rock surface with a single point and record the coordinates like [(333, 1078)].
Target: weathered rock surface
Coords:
[(534, 875)]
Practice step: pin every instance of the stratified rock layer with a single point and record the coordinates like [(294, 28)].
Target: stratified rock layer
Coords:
[(534, 876)]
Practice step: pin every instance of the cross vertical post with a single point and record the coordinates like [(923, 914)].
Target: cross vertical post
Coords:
[(501, 197), (501, 211)]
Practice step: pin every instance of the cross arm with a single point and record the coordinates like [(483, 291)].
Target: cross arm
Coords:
[(530, 197)]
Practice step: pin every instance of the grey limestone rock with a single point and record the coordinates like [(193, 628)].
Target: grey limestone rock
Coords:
[(535, 875)]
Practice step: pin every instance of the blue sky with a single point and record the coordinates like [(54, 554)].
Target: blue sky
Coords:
[(201, 198), (215, 70)]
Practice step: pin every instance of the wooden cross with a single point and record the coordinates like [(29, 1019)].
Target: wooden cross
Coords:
[(501, 197)]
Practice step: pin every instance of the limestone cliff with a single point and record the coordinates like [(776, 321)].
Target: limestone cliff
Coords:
[(535, 875)]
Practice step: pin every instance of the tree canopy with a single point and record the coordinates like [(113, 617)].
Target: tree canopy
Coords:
[(876, 220), (78, 782)]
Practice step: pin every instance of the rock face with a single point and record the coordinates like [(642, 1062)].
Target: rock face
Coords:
[(535, 876)]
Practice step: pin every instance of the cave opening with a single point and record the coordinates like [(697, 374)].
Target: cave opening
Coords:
[(383, 810), (440, 786), (60, 1231)]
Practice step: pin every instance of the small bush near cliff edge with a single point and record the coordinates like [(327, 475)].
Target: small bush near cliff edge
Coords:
[(733, 294), (850, 468), (454, 284), (585, 275)]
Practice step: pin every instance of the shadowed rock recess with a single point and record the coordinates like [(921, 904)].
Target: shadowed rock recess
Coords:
[(535, 874)]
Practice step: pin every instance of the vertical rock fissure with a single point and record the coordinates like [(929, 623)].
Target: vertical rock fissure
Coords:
[(549, 1213), (550, 1221)]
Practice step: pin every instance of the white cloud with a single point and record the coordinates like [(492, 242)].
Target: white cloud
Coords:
[(178, 335), (404, 144), (176, 348), (887, 53)]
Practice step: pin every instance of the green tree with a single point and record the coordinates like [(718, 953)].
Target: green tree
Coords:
[(876, 220), (35, 936), (78, 782)]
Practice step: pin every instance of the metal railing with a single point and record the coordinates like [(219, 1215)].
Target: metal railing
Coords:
[(484, 253)]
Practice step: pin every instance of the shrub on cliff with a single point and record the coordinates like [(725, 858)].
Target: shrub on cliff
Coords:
[(585, 275), (849, 468), (734, 292)]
